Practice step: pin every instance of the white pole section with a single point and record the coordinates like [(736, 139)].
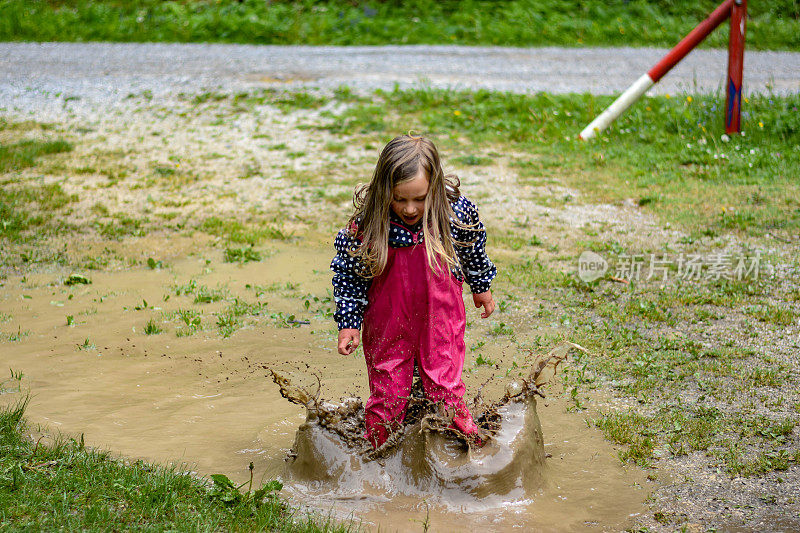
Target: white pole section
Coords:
[(620, 105)]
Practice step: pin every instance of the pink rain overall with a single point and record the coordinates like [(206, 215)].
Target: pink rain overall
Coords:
[(413, 315)]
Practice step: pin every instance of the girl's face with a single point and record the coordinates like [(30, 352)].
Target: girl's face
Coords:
[(408, 198)]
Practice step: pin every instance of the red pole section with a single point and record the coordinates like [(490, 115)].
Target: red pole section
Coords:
[(733, 101), (647, 80), (694, 38)]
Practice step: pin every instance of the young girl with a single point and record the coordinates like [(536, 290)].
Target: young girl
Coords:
[(398, 272)]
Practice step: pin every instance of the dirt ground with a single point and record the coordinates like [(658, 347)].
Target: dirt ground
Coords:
[(205, 227)]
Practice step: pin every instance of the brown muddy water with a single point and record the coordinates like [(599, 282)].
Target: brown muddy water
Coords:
[(209, 402)]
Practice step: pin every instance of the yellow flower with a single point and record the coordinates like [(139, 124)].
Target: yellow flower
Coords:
[(666, 96), (689, 99), (760, 124), (746, 101), (649, 108), (457, 113)]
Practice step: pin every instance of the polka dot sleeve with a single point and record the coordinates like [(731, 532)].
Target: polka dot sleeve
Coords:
[(478, 270), (349, 289)]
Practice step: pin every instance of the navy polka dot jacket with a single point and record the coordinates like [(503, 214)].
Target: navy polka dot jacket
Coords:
[(350, 289)]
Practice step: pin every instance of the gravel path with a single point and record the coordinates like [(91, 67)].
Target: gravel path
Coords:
[(104, 72)]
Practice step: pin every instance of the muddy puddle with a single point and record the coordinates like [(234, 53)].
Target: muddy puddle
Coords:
[(193, 397)]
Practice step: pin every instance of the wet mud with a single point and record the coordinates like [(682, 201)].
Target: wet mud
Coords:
[(427, 457), (210, 404), (427, 460)]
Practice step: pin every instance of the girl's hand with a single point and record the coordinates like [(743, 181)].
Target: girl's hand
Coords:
[(484, 300), (348, 340)]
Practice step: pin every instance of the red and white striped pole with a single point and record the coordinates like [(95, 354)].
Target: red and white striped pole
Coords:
[(733, 99), (635, 91)]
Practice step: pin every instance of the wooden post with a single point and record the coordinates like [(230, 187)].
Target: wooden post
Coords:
[(733, 98)]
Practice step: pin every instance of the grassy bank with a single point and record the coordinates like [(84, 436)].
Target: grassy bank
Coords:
[(773, 25), (59, 484), (669, 155)]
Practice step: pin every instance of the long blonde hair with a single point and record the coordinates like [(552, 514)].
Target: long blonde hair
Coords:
[(400, 161)]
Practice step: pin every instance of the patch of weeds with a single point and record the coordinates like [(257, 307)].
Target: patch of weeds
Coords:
[(237, 232), (691, 429), (361, 118), (191, 322), (501, 328), (152, 328), (23, 154), (477, 346), (187, 288), (165, 171), (230, 495), (99, 209), (77, 279), (284, 320), (228, 323), (87, 345), (122, 226), (630, 429), (484, 361), (287, 288), (290, 101), (772, 314), (323, 306), (704, 315), (23, 209), (18, 335), (765, 462), (648, 310), (473, 160), (531, 274), (153, 264), (229, 320), (205, 295), (208, 96), (12, 384), (243, 254), (337, 198), (764, 377), (515, 242), (335, 147)]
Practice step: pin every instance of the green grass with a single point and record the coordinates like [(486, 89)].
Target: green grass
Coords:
[(23, 154), (191, 322), (238, 232), (26, 210), (243, 254), (772, 25), (122, 226), (230, 319), (152, 328), (668, 152), (59, 484), (678, 430)]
